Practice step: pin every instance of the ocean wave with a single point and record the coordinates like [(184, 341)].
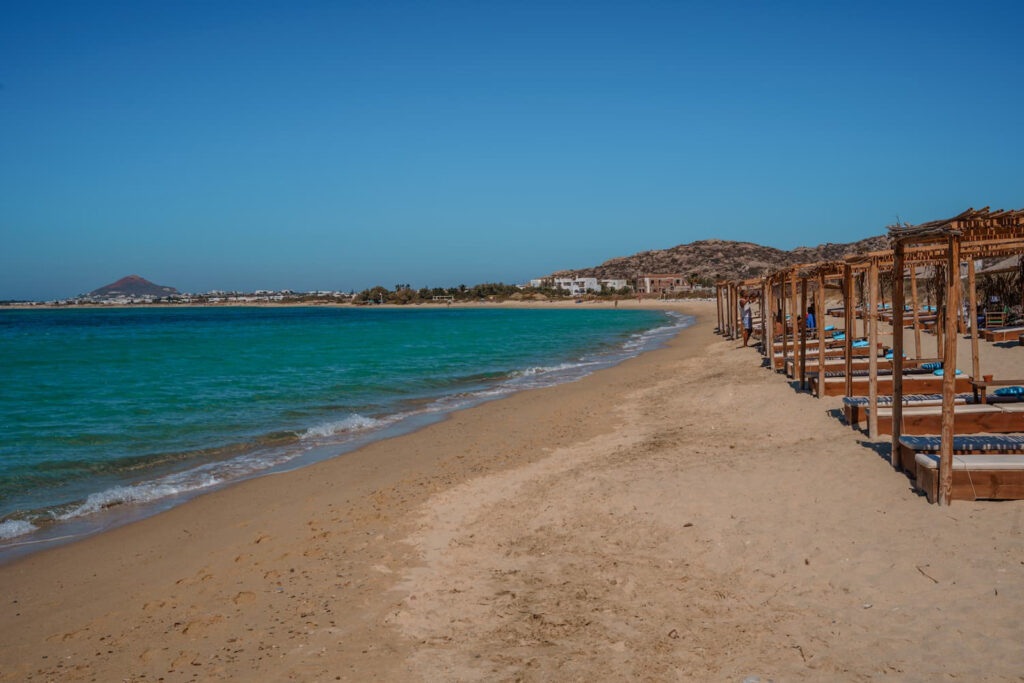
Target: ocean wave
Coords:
[(352, 423), (146, 492), (13, 528)]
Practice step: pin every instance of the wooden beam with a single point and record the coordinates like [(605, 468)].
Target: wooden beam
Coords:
[(917, 319), (897, 352), (782, 315), (767, 341), (795, 315), (972, 302), (803, 333), (819, 321), (940, 310), (718, 305), (949, 372), (850, 313), (738, 322), (872, 321)]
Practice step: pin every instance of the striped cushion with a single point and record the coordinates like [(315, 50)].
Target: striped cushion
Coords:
[(887, 400), (1000, 442)]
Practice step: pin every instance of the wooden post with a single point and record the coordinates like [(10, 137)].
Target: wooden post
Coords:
[(728, 310), (819, 320), (949, 372), (718, 305), (738, 324), (849, 313), (803, 333), (940, 310), (917, 321), (872, 321), (782, 316), (972, 299), (897, 353), (795, 316), (768, 342)]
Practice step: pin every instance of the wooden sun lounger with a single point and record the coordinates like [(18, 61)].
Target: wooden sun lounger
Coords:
[(1001, 334), (912, 384), (855, 407), (1001, 444), (971, 418), (999, 477), (778, 360)]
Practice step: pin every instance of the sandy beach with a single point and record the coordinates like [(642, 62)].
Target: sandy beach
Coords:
[(684, 515)]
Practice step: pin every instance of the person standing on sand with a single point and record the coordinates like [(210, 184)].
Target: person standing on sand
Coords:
[(747, 314)]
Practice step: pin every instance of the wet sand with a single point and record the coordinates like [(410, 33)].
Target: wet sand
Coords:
[(684, 515)]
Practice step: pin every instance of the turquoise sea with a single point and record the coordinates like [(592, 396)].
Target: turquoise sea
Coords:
[(119, 409)]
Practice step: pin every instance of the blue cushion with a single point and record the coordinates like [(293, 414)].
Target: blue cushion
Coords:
[(1009, 391), (829, 328), (931, 366), (938, 373), (859, 344), (839, 335)]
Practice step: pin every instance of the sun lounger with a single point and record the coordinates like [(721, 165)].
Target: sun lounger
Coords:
[(1001, 334), (999, 477), (855, 407), (972, 418), (912, 384), (991, 444)]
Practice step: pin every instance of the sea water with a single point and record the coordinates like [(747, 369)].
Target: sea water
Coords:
[(106, 409)]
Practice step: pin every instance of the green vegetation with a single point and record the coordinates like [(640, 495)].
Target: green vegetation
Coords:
[(488, 291)]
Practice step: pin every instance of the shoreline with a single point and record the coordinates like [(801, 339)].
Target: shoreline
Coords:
[(106, 514), (629, 302), (682, 515)]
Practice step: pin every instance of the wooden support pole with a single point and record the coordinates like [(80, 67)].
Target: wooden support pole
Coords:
[(972, 318), (916, 306), (819, 321), (728, 311), (718, 306), (737, 323), (803, 333), (940, 310), (872, 315), (795, 316), (782, 317), (768, 342), (897, 352), (848, 310), (949, 372)]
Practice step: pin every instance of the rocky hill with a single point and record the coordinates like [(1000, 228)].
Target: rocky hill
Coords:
[(132, 286), (721, 259)]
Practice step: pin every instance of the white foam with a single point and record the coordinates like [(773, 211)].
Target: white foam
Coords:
[(15, 527), (142, 493), (352, 423)]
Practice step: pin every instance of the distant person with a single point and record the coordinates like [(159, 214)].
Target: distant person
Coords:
[(810, 317), (747, 315)]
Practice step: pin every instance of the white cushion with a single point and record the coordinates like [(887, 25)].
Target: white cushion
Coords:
[(1013, 461)]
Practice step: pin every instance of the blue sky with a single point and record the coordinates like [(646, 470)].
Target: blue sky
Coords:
[(342, 145)]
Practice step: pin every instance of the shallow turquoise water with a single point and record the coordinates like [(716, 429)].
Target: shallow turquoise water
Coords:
[(106, 407)]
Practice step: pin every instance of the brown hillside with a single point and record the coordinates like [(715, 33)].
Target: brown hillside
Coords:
[(721, 259)]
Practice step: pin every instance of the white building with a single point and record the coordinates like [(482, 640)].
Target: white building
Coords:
[(614, 284), (577, 285)]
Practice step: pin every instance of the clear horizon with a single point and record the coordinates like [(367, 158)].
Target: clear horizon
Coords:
[(336, 146)]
